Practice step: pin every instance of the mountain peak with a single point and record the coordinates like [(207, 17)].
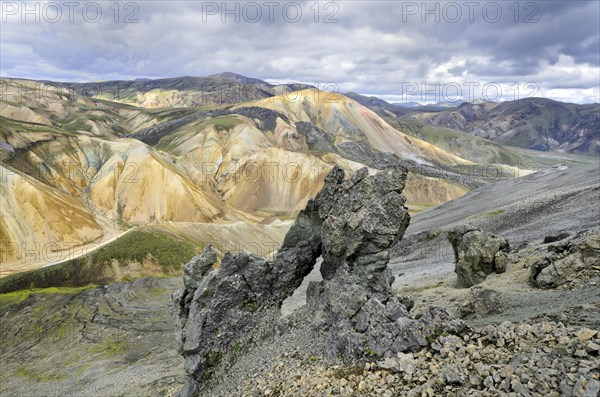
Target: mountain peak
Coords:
[(238, 78)]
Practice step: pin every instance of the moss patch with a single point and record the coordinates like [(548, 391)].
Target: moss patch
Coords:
[(236, 347), (110, 347), (170, 251), (15, 297), (250, 305), (433, 234), (25, 373)]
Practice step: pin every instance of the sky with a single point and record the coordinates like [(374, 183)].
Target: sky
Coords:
[(397, 50)]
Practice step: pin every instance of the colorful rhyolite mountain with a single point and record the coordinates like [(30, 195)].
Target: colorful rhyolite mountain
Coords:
[(82, 163)]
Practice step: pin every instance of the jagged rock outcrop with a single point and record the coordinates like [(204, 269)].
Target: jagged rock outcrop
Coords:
[(567, 261), (363, 218), (352, 224), (477, 253), (195, 270)]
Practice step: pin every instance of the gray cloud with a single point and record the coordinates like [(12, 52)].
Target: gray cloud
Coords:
[(374, 47)]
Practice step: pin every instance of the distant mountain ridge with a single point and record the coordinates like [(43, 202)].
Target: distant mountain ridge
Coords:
[(531, 123), (237, 77), (186, 91), (398, 108)]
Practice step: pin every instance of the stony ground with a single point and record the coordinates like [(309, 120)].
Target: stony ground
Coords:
[(537, 359), (116, 340), (524, 212)]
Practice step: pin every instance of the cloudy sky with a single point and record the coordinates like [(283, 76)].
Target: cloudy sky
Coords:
[(397, 50)]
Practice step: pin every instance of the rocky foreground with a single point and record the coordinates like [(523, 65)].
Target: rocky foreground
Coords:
[(118, 340), (356, 336), (538, 359)]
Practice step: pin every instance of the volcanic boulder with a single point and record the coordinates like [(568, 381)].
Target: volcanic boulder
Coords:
[(477, 253), (568, 262)]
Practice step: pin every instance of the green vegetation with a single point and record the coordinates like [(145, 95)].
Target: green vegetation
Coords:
[(73, 273), (213, 359), (124, 96), (433, 233), (544, 159), (82, 370), (371, 352), (122, 223), (430, 133), (23, 372), (15, 297), (167, 250), (496, 213), (415, 208), (110, 347), (236, 347), (462, 144), (250, 305), (12, 298), (435, 335), (161, 113), (521, 139), (171, 252), (8, 127), (225, 123), (70, 124)]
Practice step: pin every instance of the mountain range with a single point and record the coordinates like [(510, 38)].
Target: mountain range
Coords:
[(207, 158), (531, 123)]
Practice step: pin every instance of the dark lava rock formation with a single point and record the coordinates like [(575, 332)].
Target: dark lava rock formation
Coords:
[(351, 224), (567, 261), (477, 253)]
